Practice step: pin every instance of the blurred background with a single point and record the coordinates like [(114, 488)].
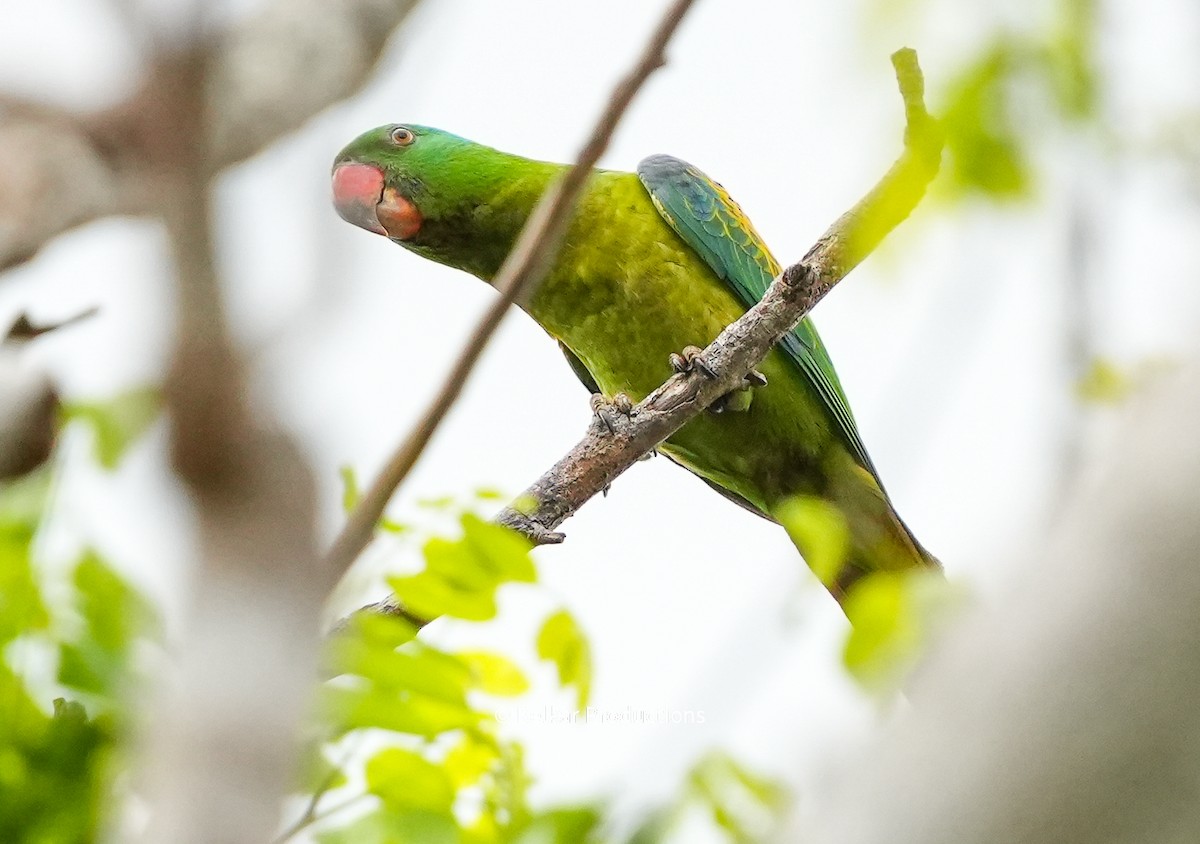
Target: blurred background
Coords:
[(987, 348)]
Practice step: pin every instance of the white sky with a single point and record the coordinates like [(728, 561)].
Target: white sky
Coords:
[(947, 341)]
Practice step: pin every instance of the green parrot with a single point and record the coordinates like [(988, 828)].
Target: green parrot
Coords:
[(654, 263)]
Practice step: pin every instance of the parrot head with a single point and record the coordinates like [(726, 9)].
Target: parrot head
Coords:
[(446, 198), (385, 180)]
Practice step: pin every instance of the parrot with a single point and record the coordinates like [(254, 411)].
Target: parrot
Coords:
[(654, 265)]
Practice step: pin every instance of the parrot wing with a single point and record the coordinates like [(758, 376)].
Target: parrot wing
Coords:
[(702, 213)]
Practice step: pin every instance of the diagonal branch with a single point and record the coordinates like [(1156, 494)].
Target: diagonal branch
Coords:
[(523, 269), (612, 446), (61, 170)]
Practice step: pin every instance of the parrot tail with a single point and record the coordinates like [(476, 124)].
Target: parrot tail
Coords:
[(879, 538)]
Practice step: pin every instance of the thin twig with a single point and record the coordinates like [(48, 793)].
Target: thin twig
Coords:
[(310, 814), (291, 832), (23, 328), (522, 271)]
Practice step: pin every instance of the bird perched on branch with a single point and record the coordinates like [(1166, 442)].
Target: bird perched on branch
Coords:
[(654, 264)]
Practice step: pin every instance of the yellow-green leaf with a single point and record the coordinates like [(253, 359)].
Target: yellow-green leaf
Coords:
[(819, 530), (407, 780), (495, 674), (893, 616), (118, 422), (502, 549), (562, 642), (469, 760)]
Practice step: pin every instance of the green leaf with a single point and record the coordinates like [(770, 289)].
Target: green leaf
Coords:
[(347, 707), (118, 422), (113, 614), (25, 501), (561, 826), (392, 827), (114, 611), (416, 669), (21, 607), (495, 674), (819, 529), (562, 642), (507, 793), (442, 502), (432, 594), (744, 805), (502, 549), (987, 150), (461, 575), (407, 780), (469, 760), (1104, 383), (350, 491), (893, 617)]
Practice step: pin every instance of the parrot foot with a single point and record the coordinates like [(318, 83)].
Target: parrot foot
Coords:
[(607, 410), (739, 400), (754, 378), (691, 359)]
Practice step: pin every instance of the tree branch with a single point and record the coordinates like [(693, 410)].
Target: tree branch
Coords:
[(523, 269), (62, 169)]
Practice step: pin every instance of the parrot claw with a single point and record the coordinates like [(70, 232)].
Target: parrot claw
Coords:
[(739, 399), (607, 410), (754, 378), (691, 359), (651, 453)]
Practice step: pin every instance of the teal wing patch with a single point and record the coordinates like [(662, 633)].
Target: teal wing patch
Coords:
[(706, 217)]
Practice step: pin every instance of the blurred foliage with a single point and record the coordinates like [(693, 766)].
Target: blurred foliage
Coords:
[(424, 710), (745, 806), (1108, 383), (406, 745), (561, 642), (1104, 383), (1017, 85), (820, 530), (430, 760), (117, 422), (894, 616), (68, 639), (439, 769)]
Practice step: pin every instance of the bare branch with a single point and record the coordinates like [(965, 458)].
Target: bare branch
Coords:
[(524, 267), (61, 170)]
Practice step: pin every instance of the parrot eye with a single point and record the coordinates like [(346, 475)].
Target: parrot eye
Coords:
[(402, 136)]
